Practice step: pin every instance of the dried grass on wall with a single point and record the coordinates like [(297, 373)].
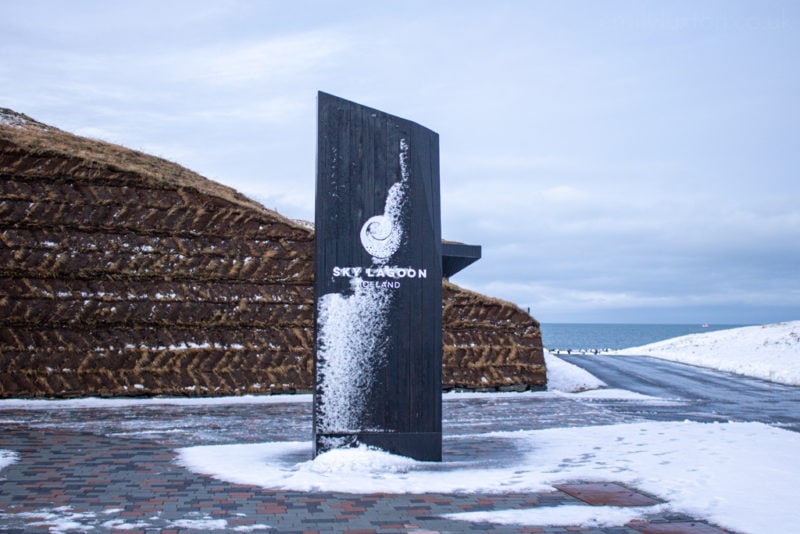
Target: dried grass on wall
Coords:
[(122, 273)]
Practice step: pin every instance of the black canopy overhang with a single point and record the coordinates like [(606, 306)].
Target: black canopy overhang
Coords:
[(458, 256)]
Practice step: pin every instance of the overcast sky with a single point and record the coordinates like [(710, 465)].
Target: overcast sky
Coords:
[(631, 161)]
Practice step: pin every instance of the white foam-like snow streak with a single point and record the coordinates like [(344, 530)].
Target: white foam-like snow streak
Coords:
[(351, 330)]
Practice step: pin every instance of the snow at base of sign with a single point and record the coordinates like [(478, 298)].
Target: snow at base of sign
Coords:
[(739, 475), (360, 459), (770, 352)]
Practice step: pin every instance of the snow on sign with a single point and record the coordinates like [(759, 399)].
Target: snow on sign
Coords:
[(378, 364)]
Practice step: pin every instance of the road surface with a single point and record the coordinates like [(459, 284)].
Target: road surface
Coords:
[(703, 394)]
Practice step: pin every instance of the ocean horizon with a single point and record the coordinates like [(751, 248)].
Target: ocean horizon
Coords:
[(579, 337)]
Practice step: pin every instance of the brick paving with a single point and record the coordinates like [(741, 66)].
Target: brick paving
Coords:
[(70, 479)]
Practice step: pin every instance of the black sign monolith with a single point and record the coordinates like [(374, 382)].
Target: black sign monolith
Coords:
[(378, 364)]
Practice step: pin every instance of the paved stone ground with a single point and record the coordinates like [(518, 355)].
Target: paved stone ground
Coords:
[(80, 472)]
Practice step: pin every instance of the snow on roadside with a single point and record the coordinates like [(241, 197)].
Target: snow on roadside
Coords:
[(770, 352), (563, 376)]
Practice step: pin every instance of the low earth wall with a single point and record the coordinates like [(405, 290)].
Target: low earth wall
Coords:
[(122, 274)]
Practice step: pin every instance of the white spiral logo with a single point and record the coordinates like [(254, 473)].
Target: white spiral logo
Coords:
[(380, 236)]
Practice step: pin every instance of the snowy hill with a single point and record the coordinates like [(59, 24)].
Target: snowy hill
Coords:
[(770, 352)]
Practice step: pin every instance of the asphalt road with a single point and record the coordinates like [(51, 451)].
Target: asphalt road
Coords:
[(700, 394)]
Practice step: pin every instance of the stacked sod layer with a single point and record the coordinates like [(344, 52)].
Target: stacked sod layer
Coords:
[(123, 273)]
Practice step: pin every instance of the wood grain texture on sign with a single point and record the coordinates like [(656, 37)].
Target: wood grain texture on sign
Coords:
[(361, 154)]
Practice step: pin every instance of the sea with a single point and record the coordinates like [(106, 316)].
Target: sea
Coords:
[(586, 337)]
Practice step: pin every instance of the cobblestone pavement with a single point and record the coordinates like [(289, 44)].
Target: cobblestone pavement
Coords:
[(113, 469)]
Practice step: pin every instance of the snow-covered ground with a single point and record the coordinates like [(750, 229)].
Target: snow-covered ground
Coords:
[(127, 402), (563, 376), (741, 476), (770, 352), (738, 475)]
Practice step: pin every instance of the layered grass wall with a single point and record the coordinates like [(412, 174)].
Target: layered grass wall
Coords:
[(122, 273)]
